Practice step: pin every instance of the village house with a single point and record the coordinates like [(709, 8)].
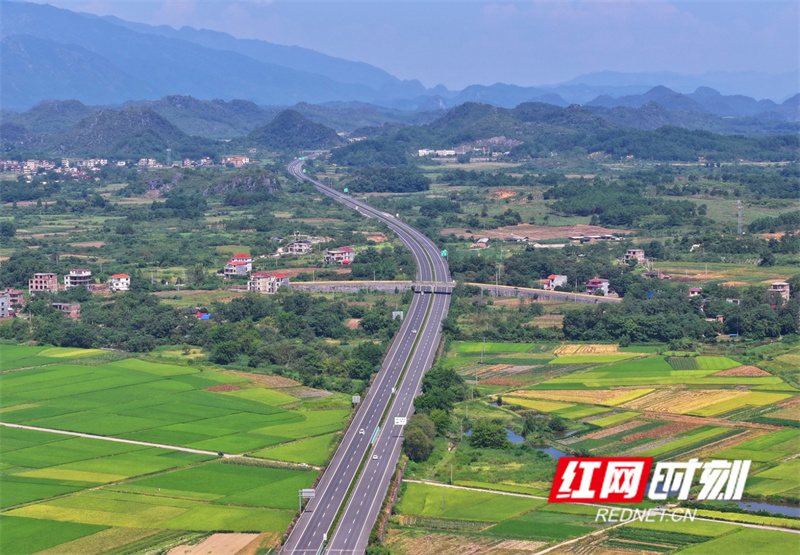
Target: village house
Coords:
[(73, 310), (43, 282), (301, 246), (5, 305), (15, 297), (78, 278), (119, 282), (597, 284), (345, 255), (237, 161), (634, 254), (695, 291), (553, 281), (780, 287)]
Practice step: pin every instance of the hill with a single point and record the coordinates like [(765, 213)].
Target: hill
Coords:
[(540, 130), (129, 133), (291, 131)]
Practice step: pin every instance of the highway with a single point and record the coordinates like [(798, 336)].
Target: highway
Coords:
[(367, 440)]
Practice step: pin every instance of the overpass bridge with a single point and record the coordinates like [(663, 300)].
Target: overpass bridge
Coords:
[(446, 287)]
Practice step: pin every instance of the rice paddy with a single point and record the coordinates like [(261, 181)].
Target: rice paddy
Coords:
[(94, 492)]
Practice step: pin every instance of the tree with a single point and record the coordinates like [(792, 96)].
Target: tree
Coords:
[(225, 352), (442, 421), (417, 444), (489, 435), (7, 229)]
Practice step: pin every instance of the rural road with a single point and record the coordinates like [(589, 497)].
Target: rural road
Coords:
[(394, 388)]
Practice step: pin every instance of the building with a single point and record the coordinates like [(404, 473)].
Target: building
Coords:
[(282, 279), (78, 278), (597, 284), (263, 282), (43, 282), (634, 254), (246, 258), (657, 275), (119, 282), (553, 281), (73, 310), (780, 287), (5, 305), (301, 246), (344, 255), (236, 269), (15, 297), (695, 291), (237, 161)]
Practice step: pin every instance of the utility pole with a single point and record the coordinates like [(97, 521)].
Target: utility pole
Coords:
[(739, 217)]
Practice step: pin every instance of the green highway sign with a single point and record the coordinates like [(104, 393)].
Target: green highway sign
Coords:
[(345, 190), (304, 171), (444, 252)]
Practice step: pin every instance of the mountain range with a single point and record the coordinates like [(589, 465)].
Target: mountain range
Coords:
[(51, 53)]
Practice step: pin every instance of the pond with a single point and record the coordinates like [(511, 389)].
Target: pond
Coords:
[(754, 506), (553, 452)]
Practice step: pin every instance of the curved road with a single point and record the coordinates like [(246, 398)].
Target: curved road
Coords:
[(395, 386)]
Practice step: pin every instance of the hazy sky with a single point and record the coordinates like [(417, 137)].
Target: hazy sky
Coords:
[(526, 43)]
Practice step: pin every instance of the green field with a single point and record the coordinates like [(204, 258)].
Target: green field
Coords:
[(460, 504), (542, 525), (159, 403), (614, 419), (93, 495), (463, 347), (592, 359), (27, 535), (750, 541), (655, 371), (314, 451)]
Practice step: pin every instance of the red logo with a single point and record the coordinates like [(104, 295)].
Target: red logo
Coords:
[(600, 479)]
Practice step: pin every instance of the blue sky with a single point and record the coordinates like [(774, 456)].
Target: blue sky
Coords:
[(525, 43)]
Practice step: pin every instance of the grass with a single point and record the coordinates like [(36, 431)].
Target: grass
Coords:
[(544, 526), (716, 363), (697, 528), (427, 500)]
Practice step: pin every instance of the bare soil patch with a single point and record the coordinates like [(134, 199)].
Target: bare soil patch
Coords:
[(743, 371), (502, 194), (218, 544), (536, 232), (95, 244), (223, 388), (306, 392), (666, 431), (377, 238), (268, 381), (352, 323)]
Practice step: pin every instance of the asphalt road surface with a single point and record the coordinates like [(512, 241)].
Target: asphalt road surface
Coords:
[(412, 352)]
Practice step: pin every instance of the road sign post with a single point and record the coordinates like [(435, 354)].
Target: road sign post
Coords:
[(305, 494), (400, 420)]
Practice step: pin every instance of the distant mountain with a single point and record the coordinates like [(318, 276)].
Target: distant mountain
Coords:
[(294, 57), (704, 99), (752, 83), (36, 69), (129, 65), (291, 131)]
